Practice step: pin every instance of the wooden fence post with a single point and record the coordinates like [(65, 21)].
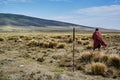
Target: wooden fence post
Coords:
[(73, 49)]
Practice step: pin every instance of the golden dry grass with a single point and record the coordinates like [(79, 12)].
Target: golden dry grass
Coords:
[(32, 54), (114, 60), (86, 57), (98, 68), (100, 57), (61, 45), (1, 39)]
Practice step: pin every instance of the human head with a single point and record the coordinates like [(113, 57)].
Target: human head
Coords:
[(96, 29)]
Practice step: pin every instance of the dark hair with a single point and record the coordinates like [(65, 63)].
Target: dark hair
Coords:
[(96, 29)]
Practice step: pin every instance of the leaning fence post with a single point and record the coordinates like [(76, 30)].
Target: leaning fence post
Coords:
[(73, 48)]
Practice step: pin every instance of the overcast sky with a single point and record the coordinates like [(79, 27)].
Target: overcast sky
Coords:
[(94, 13)]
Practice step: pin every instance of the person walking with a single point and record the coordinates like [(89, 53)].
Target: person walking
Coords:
[(98, 41)]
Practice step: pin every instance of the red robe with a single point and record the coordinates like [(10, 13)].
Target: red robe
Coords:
[(97, 37)]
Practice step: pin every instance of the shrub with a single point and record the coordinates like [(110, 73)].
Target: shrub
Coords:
[(65, 61), (41, 44), (21, 36), (79, 67), (105, 58), (32, 43), (100, 57), (58, 37), (61, 45), (56, 57), (65, 64), (40, 59), (1, 39), (79, 42), (68, 36), (96, 57), (76, 38), (70, 40), (25, 55), (89, 47), (19, 40), (53, 44), (45, 45), (86, 57), (114, 60), (98, 68), (86, 43), (27, 37), (13, 38), (85, 38)]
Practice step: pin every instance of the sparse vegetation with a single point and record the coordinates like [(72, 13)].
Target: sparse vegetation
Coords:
[(84, 38), (98, 68), (40, 59), (114, 60), (61, 45), (53, 44), (79, 42), (89, 47), (37, 56), (86, 43), (1, 39), (33, 43), (86, 57)]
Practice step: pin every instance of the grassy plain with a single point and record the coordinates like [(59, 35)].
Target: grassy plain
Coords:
[(48, 56)]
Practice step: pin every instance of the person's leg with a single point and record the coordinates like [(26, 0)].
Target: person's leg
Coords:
[(94, 48), (99, 46)]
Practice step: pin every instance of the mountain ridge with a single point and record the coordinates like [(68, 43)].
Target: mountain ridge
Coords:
[(18, 22), (22, 20)]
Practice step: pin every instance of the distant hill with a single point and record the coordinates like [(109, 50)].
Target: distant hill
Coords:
[(15, 22), (22, 20)]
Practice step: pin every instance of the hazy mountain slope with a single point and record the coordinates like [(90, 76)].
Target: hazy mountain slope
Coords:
[(15, 22), (21, 20)]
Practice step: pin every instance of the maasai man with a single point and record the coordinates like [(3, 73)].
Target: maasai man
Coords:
[(98, 41)]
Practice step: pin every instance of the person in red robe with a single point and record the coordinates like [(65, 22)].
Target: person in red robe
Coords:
[(97, 38)]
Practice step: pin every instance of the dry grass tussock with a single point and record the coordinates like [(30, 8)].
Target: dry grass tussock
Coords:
[(1, 39), (98, 68), (65, 62), (97, 57), (61, 45), (58, 37), (90, 46), (100, 57), (86, 57), (45, 44), (13, 38), (86, 43), (114, 60), (79, 41), (33, 43), (85, 38)]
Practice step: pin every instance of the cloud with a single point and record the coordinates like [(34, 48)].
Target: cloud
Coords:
[(12, 1), (98, 11), (101, 16), (8, 1)]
